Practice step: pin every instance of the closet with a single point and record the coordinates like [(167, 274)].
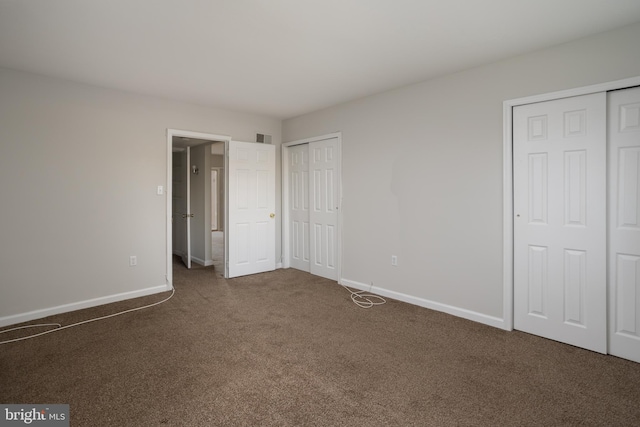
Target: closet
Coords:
[(576, 200)]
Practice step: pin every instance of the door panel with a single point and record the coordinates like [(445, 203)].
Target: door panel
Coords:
[(299, 206), (323, 212), (624, 223), (180, 207), (560, 220), (251, 234), (186, 254)]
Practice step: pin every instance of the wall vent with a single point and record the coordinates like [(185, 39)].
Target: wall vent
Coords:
[(262, 138)]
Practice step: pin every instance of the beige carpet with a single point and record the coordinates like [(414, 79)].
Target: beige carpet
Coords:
[(290, 349)]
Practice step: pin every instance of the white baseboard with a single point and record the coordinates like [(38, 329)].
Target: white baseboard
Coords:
[(278, 265), (195, 259), (449, 309), (45, 312), (201, 261)]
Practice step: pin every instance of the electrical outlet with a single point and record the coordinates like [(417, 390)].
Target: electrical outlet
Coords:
[(394, 260), (133, 261)]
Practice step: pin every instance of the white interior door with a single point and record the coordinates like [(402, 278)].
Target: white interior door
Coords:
[(186, 215), (624, 223), (559, 157), (299, 206), (323, 213), (180, 207), (251, 234)]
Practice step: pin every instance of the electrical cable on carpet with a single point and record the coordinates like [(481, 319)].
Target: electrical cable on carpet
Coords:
[(363, 300), (60, 327)]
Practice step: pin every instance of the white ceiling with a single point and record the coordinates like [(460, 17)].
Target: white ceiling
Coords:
[(283, 58)]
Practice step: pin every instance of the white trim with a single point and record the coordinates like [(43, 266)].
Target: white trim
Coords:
[(507, 175), (201, 261), (39, 314), (188, 219), (225, 250), (286, 261), (313, 139), (187, 134), (279, 265), (507, 219), (432, 305)]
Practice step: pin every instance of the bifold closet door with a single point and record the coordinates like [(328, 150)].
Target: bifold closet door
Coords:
[(624, 223), (323, 212), (559, 161), (313, 207), (299, 206)]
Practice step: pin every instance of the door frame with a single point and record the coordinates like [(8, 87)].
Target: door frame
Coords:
[(507, 177), (286, 250), (169, 187)]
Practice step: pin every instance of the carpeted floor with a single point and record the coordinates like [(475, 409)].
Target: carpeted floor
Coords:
[(290, 349)]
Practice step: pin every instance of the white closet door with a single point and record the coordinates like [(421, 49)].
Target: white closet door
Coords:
[(323, 215), (560, 224), (299, 206), (251, 235), (624, 223)]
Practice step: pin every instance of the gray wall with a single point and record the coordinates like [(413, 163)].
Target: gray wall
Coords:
[(79, 167), (422, 179), (422, 169)]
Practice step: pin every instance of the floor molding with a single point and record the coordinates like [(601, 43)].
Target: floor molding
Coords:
[(496, 322), (39, 314)]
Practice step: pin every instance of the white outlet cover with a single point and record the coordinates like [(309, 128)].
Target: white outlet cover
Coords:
[(160, 190)]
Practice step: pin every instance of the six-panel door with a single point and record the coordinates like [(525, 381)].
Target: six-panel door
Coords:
[(559, 153), (251, 233)]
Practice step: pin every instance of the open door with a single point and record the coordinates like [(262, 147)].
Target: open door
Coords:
[(251, 230), (180, 206), (185, 213)]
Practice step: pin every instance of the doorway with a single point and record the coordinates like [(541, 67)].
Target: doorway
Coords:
[(188, 208)]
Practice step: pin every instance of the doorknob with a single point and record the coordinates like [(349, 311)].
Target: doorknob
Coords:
[(272, 215)]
